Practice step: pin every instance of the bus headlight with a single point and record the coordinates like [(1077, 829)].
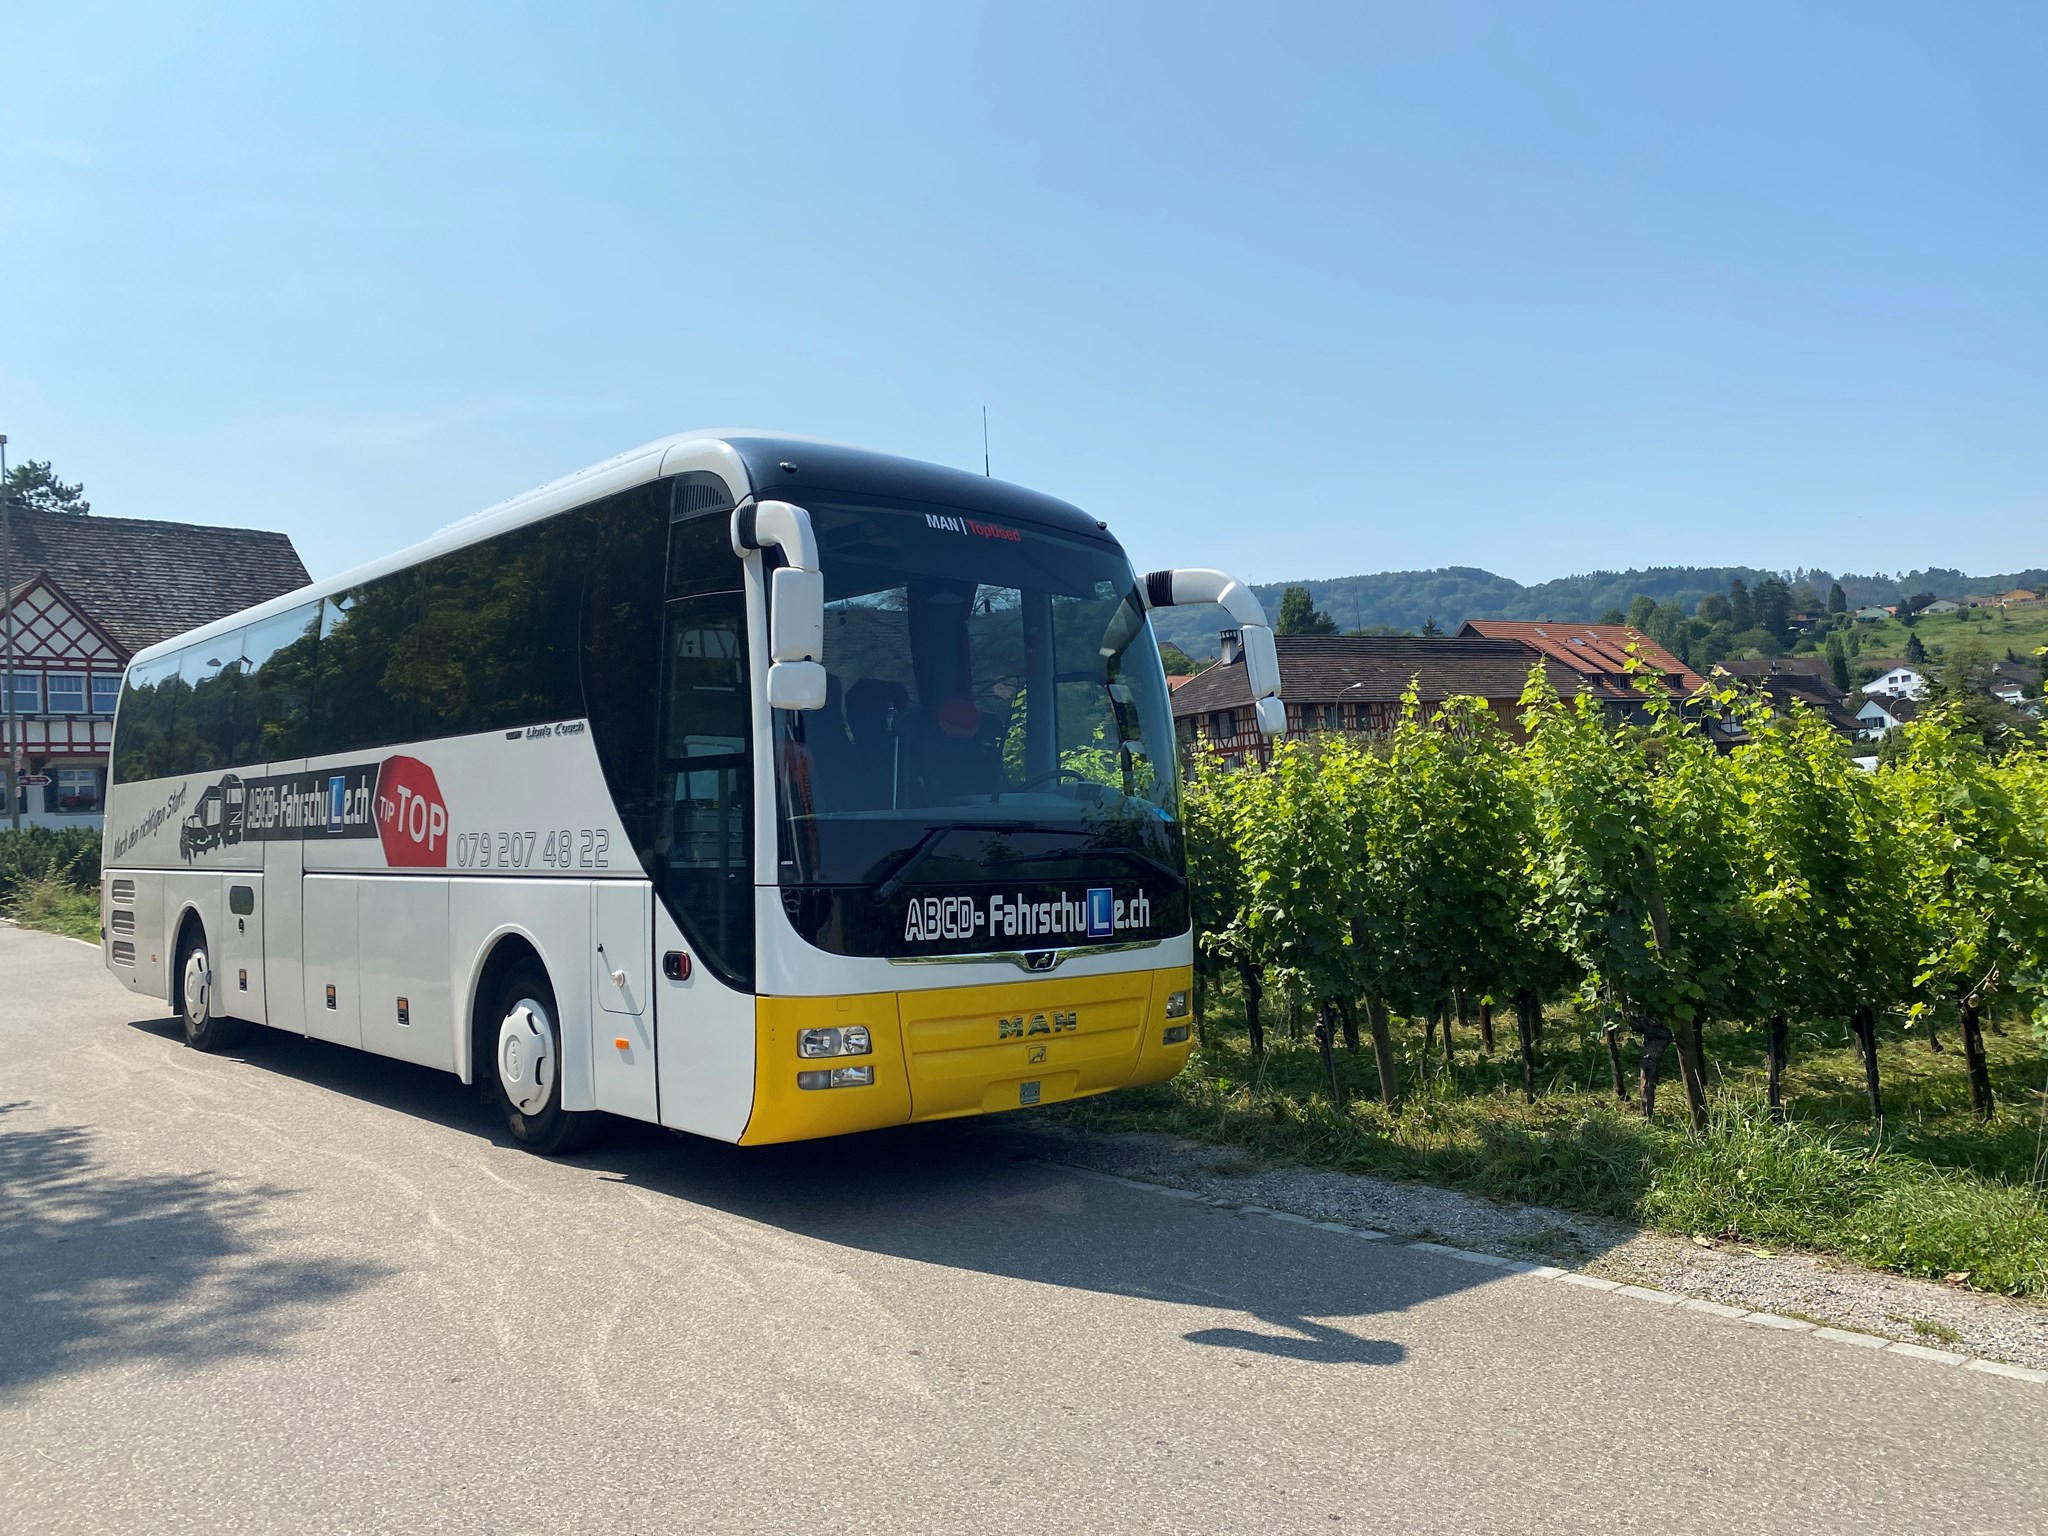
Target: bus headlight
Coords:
[(1176, 1005), (852, 1041)]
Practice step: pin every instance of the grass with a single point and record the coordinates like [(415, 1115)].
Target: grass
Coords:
[(54, 904), (1940, 1194), (2022, 630)]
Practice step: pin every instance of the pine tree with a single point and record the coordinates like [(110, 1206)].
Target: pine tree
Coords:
[(33, 485), (1838, 600)]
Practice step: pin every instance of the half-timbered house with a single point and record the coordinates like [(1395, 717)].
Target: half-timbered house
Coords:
[(86, 593)]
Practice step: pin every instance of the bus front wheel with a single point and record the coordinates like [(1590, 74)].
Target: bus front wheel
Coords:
[(205, 1030), (526, 1074)]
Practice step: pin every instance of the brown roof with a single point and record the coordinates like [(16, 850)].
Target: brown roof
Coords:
[(1597, 652), (1367, 669), (143, 581), (1751, 670), (1816, 693)]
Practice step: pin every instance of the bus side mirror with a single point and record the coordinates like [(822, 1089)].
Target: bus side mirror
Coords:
[(796, 685), (796, 615)]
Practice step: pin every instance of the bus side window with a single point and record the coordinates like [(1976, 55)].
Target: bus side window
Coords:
[(146, 720), (363, 665), (209, 673), (706, 842), (271, 723)]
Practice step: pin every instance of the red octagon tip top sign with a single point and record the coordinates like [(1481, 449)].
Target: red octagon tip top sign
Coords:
[(412, 818)]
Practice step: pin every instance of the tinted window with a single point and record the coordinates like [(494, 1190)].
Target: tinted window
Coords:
[(706, 843), (147, 720), (497, 633), (211, 672), (277, 686), (625, 536), (362, 680)]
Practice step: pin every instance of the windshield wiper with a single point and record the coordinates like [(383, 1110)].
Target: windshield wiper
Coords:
[(1118, 849), (923, 848)]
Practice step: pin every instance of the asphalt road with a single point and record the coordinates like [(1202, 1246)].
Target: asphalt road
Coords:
[(304, 1289)]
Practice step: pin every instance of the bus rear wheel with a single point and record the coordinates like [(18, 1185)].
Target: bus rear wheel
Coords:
[(526, 1071), (205, 1030)]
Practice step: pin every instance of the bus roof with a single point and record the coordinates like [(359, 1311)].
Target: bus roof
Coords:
[(759, 461)]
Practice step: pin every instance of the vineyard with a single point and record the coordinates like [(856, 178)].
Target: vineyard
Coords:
[(1572, 963)]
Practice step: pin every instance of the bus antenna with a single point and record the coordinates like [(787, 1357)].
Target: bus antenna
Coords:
[(984, 442)]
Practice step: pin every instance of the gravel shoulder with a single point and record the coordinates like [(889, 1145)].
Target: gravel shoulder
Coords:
[(1821, 1290)]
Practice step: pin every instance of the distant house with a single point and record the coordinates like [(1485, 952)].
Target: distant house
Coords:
[(2018, 597), (1598, 655), (1943, 605), (89, 592), (1354, 684), (1794, 680), (1899, 681), (1882, 714), (1872, 615), (2008, 693), (2026, 675)]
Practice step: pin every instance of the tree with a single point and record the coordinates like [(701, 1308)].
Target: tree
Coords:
[(1639, 612), (1635, 858), (34, 486), (1220, 802), (1741, 611), (1177, 661), (1805, 600), (1300, 616), (1431, 630), (1714, 609), (1838, 600), (1295, 832), (1826, 925), (1963, 684), (1838, 664), (1773, 603), (1613, 616), (1973, 826), (1915, 650)]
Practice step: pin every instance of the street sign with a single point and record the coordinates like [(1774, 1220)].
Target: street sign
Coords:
[(34, 778)]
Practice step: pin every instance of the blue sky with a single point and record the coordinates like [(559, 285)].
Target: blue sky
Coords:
[(1298, 291)]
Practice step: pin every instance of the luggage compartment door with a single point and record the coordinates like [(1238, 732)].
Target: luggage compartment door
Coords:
[(622, 1050)]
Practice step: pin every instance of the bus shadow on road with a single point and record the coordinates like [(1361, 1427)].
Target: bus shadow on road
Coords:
[(960, 1195), (101, 1269)]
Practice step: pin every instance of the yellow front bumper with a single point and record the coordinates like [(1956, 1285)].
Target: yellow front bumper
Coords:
[(965, 1050)]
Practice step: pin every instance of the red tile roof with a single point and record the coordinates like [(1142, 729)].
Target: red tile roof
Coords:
[(1597, 652)]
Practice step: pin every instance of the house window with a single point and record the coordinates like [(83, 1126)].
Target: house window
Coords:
[(76, 789), (28, 693), (106, 692), (67, 693), (1226, 724)]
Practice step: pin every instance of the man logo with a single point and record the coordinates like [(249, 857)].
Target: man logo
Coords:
[(1101, 912), (1058, 1024)]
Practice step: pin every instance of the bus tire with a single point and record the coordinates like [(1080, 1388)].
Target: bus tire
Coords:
[(525, 1075), (205, 1030)]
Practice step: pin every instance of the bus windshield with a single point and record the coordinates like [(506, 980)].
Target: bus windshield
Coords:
[(995, 709)]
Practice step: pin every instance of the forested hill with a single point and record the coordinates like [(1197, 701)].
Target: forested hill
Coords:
[(1405, 599)]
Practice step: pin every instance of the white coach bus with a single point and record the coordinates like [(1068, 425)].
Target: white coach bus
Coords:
[(757, 787)]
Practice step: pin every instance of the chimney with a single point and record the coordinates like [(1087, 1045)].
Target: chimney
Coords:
[(1231, 644)]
